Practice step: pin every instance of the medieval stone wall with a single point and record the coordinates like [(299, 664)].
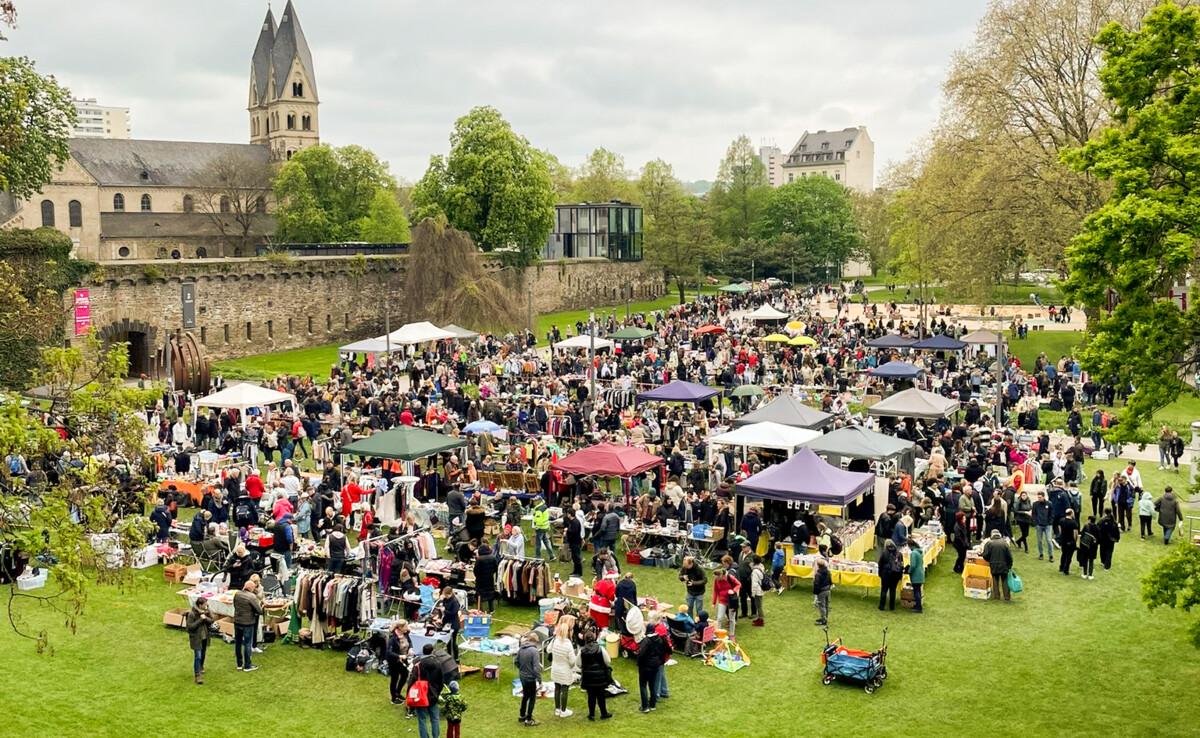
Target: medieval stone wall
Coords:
[(257, 305)]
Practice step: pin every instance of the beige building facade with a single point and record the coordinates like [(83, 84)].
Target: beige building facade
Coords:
[(846, 156), (94, 120), (119, 198)]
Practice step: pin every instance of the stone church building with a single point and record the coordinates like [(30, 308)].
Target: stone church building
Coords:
[(124, 199)]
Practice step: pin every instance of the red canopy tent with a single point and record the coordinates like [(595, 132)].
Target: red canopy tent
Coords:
[(708, 329), (608, 460)]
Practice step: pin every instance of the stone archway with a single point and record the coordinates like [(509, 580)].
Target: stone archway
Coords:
[(143, 343)]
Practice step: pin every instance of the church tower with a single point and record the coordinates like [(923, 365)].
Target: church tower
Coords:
[(283, 89)]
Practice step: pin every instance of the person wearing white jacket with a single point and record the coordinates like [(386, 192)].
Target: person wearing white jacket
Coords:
[(1146, 514), (562, 664)]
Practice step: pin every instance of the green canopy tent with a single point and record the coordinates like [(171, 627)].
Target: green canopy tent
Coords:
[(403, 444), (738, 289), (630, 333)]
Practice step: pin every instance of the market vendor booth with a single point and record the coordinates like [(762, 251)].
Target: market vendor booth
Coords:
[(243, 397), (403, 444), (860, 449), (787, 410)]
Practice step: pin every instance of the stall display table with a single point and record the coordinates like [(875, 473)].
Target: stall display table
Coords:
[(857, 573), (192, 488), (221, 602)]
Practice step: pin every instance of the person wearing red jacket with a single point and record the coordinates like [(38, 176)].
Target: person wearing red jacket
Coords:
[(351, 494), (255, 487), (725, 597), (603, 595)]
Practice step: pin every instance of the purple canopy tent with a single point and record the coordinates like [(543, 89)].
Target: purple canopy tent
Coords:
[(679, 391), (807, 478)]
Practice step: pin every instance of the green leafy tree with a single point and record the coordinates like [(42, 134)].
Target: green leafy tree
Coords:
[(1174, 582), (603, 177), (740, 192), (678, 226), (562, 179), (811, 220), (36, 118), (493, 185), (386, 222), (328, 195), (56, 523), (1143, 240), (36, 268), (875, 222)]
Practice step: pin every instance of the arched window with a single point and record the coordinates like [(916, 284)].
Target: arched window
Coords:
[(201, 253), (297, 89), (260, 204), (75, 212), (188, 204), (118, 201), (224, 203), (47, 213), (145, 203), (291, 121)]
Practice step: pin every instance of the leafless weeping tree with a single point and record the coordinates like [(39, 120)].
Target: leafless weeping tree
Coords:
[(446, 282), (233, 192)]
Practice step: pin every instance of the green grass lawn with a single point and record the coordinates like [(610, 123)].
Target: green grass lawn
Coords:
[(316, 359), (1067, 657)]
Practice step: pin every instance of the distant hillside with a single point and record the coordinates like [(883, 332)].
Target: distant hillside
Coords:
[(699, 187)]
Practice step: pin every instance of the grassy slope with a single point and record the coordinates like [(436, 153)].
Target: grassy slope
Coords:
[(1003, 294), (124, 674), (316, 360)]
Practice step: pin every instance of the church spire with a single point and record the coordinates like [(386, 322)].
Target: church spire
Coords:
[(290, 45), (260, 63)]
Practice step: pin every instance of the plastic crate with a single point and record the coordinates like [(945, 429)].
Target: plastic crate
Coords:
[(478, 626)]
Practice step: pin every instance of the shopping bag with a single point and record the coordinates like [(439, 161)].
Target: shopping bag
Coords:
[(418, 693), (1014, 581)]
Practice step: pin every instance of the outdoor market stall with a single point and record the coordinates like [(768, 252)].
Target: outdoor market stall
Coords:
[(897, 370), (399, 444), (891, 340), (915, 403), (787, 410), (940, 343), (766, 312), (882, 454), (766, 435), (806, 478), (243, 397), (583, 341)]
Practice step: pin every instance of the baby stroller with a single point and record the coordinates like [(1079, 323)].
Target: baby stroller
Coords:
[(632, 634), (860, 667)]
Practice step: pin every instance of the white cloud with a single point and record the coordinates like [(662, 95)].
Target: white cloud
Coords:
[(672, 79)]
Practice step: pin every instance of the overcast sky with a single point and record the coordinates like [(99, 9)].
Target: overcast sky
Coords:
[(677, 79)]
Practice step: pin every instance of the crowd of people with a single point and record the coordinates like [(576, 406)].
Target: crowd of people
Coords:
[(972, 469)]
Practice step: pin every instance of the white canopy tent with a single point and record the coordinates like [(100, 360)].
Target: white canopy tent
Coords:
[(367, 346), (242, 397), (584, 341), (415, 333), (767, 435), (766, 312)]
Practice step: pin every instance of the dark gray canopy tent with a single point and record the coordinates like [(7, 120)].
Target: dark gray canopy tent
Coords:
[(787, 410)]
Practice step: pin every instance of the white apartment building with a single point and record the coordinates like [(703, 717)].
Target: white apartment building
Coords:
[(100, 121), (772, 158), (846, 156)]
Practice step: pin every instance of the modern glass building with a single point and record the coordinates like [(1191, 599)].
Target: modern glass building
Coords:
[(610, 230)]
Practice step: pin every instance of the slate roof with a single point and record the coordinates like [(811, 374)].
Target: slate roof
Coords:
[(114, 161), (836, 141), (289, 43), (260, 64)]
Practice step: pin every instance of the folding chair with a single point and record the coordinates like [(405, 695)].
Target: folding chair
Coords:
[(696, 645)]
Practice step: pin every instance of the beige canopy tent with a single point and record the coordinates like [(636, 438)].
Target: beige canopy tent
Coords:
[(242, 397)]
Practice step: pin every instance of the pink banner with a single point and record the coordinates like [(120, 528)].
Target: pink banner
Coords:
[(83, 311)]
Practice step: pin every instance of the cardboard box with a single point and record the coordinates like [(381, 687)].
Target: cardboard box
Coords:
[(225, 626), (717, 533), (193, 574), (174, 572), (176, 617), (977, 583), (281, 628)]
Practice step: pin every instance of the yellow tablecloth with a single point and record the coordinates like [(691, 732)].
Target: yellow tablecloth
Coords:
[(863, 579), (856, 551)]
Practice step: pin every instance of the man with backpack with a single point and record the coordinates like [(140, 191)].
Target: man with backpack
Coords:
[(17, 466)]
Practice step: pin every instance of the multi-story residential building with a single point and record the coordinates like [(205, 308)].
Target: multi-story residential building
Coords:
[(94, 120), (772, 159), (846, 156)]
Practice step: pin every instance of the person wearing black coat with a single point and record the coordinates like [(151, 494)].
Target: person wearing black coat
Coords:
[(486, 566), (428, 669), (451, 616), (161, 517), (625, 598), (961, 540), (239, 567), (1110, 534), (398, 649), (651, 655), (574, 537), (595, 675)]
